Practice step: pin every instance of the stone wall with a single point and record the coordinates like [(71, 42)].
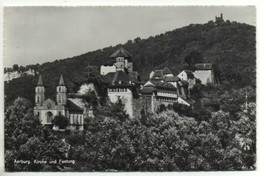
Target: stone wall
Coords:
[(126, 97)]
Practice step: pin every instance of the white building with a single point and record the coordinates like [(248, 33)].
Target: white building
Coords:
[(204, 72), (187, 75), (121, 88), (105, 69), (164, 88), (123, 62), (121, 79)]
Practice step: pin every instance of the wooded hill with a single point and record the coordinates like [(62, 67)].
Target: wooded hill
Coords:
[(230, 46)]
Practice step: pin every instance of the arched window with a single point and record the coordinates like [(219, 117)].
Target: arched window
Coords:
[(49, 116), (59, 89), (59, 98), (38, 99)]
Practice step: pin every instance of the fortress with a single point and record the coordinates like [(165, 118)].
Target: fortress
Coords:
[(162, 88)]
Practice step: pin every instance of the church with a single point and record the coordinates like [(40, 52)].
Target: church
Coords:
[(47, 109)]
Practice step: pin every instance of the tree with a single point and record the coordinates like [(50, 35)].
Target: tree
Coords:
[(193, 57), (27, 139), (60, 121), (15, 67)]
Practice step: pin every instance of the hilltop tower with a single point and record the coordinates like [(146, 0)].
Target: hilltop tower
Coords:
[(123, 60), (61, 96), (39, 92), (219, 20)]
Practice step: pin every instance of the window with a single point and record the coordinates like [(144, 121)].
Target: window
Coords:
[(59, 112), (49, 117), (38, 114), (59, 98), (38, 99)]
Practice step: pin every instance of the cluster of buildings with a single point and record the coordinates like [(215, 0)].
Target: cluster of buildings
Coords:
[(163, 87)]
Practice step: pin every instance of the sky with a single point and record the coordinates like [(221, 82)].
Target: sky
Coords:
[(41, 34)]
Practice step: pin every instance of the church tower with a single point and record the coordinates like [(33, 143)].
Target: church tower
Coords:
[(61, 96), (123, 60), (39, 92)]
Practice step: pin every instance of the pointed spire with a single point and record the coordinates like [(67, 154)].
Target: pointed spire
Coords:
[(40, 82), (61, 83)]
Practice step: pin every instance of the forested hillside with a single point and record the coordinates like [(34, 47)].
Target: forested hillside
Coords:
[(229, 46)]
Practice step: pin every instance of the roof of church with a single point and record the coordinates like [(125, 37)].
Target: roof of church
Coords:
[(61, 82), (40, 82), (121, 52), (73, 107), (203, 66)]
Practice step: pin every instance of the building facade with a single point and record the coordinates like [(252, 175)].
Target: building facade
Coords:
[(187, 75), (205, 73), (123, 62), (47, 109), (165, 88), (121, 81)]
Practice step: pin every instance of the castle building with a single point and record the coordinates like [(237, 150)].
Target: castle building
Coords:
[(122, 80), (204, 72), (123, 62), (47, 109), (219, 20)]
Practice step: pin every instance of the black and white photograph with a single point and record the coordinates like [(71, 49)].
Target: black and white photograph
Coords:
[(129, 88)]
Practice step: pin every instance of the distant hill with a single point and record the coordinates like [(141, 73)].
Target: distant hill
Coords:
[(230, 46)]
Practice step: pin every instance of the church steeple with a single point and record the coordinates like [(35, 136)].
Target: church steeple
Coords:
[(61, 83), (61, 96), (40, 82), (39, 92)]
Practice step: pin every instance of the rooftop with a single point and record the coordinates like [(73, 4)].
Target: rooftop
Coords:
[(203, 66), (121, 52), (73, 107)]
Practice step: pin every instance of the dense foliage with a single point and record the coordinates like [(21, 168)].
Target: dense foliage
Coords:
[(26, 139), (112, 141), (229, 46)]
